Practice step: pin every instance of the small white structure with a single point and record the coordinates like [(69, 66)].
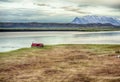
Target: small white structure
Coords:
[(118, 56)]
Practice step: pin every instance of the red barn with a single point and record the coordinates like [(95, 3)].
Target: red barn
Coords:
[(37, 45)]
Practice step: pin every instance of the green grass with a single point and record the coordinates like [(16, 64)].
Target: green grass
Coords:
[(89, 29), (23, 50), (98, 48)]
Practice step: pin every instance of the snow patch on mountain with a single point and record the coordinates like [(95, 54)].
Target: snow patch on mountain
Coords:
[(93, 19)]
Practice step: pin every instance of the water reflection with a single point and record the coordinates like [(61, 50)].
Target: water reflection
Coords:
[(12, 41)]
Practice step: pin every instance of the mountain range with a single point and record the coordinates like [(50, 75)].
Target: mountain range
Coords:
[(93, 19), (86, 21)]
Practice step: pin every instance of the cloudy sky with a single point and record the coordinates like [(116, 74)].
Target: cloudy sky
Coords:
[(55, 10)]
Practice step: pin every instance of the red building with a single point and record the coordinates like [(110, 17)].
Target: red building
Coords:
[(37, 45)]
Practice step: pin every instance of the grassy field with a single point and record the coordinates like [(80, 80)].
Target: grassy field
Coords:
[(62, 63), (63, 29)]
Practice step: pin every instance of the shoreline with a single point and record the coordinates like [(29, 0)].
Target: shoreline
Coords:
[(61, 45), (79, 29), (55, 30)]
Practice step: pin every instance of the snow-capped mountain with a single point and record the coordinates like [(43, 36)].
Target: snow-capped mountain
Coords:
[(92, 19)]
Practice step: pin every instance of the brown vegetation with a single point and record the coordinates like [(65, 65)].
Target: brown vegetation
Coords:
[(62, 63)]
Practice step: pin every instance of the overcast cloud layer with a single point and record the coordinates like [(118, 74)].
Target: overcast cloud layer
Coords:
[(55, 10)]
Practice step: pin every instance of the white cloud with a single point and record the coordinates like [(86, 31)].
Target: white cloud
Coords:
[(56, 10), (102, 10)]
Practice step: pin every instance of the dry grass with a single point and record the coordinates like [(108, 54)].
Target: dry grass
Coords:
[(61, 63)]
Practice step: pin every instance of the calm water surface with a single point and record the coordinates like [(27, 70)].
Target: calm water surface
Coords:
[(15, 40)]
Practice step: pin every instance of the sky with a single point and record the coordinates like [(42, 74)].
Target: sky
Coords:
[(55, 10)]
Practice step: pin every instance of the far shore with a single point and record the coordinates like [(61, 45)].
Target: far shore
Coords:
[(79, 29)]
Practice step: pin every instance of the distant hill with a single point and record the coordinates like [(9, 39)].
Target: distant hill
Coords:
[(93, 19), (51, 25)]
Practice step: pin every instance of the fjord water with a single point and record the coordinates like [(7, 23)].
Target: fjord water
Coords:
[(15, 40)]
